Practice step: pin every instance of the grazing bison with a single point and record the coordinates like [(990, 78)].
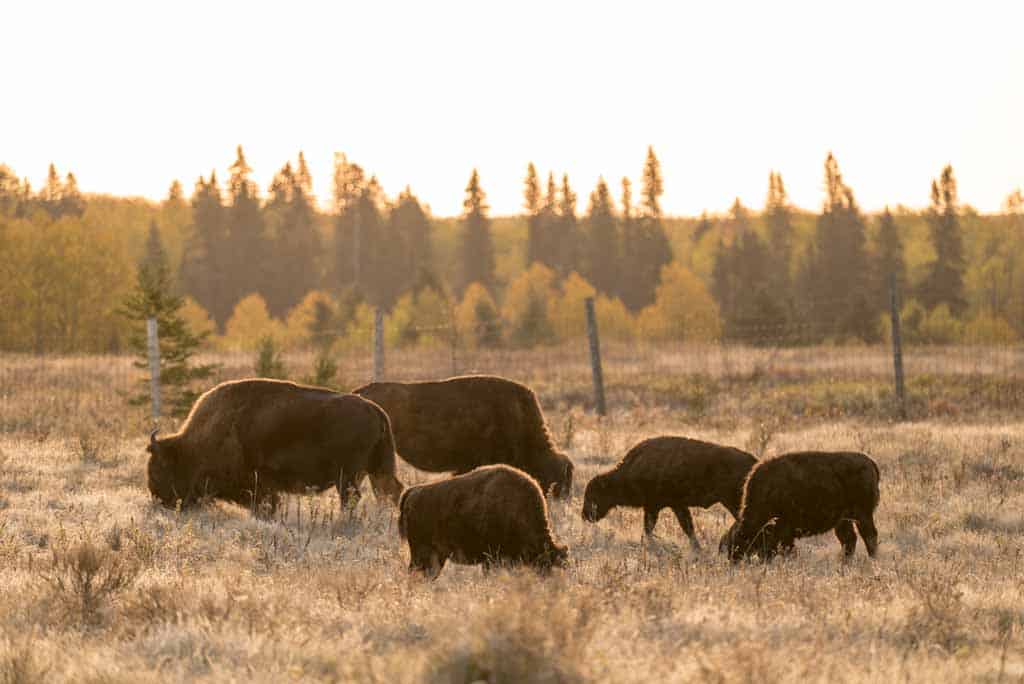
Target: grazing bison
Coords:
[(670, 472), (248, 440), (461, 423), (494, 514), (803, 494)]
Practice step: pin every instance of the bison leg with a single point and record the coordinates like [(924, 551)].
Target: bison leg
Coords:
[(426, 560), (868, 532), (686, 522), (650, 519), (348, 486), (847, 537)]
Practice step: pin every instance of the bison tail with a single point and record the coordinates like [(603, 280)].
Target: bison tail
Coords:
[(382, 466), (403, 531)]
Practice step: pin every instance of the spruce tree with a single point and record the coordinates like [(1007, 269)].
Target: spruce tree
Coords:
[(153, 298), (778, 217), (407, 248), (532, 204), (889, 256), (248, 252), (944, 282), (648, 246), (477, 250), (567, 247), (602, 243), (71, 202), (205, 262), (296, 246), (628, 240)]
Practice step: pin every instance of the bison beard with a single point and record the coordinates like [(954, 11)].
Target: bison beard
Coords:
[(804, 494), (461, 423), (670, 472), (249, 440), (494, 514)]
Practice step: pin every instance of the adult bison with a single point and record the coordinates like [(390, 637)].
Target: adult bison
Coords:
[(461, 423), (494, 514), (670, 472), (802, 494), (249, 440)]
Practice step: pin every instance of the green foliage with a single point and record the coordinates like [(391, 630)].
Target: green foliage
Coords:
[(477, 319), (153, 298), (601, 256), (645, 247), (268, 363), (325, 371), (477, 262), (943, 283)]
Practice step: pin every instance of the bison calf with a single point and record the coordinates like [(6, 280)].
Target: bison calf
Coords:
[(494, 514), (461, 423), (249, 440), (670, 472), (803, 494)]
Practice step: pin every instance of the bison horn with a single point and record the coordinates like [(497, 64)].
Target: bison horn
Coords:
[(152, 435)]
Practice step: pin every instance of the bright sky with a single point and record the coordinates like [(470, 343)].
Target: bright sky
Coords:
[(131, 95)]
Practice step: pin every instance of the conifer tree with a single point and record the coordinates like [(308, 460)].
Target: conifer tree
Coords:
[(294, 269), (703, 227), (778, 216), (204, 263), (648, 247), (944, 282), (602, 243), (247, 250), (153, 298), (567, 247), (71, 201), (175, 195), (889, 256), (532, 204), (408, 246), (477, 250), (628, 238)]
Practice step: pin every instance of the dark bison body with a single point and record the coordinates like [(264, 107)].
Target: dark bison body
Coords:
[(249, 440), (461, 423), (802, 494), (494, 514), (670, 472)]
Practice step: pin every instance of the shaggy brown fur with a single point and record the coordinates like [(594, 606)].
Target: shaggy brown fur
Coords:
[(494, 514), (670, 472), (461, 423), (248, 440), (802, 494)]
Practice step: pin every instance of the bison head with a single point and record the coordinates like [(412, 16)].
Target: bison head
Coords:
[(557, 477), (164, 477), (596, 500)]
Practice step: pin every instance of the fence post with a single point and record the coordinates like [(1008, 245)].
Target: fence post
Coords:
[(378, 344), (153, 346), (897, 347), (595, 356)]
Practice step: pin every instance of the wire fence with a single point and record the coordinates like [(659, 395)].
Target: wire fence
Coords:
[(782, 370)]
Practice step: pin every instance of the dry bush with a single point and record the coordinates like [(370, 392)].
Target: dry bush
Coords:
[(533, 633), (19, 664), (84, 578)]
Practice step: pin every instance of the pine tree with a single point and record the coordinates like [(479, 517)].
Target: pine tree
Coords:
[(567, 247), (602, 243), (703, 227), (294, 270), (175, 195), (648, 245), (248, 251), (71, 202), (944, 282), (834, 280), (153, 298), (204, 262), (778, 216), (50, 195), (532, 204), (476, 248), (407, 249), (889, 256), (629, 239)]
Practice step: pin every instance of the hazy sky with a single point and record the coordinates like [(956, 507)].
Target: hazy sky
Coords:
[(131, 95)]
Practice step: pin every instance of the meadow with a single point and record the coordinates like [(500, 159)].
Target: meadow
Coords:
[(99, 584)]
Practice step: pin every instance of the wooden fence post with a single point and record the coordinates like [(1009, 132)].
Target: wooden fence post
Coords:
[(153, 345), (897, 347), (595, 356), (378, 344)]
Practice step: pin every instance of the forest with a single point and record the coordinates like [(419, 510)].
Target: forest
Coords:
[(253, 263)]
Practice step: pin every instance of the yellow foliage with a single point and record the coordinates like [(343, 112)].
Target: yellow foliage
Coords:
[(614, 322), (940, 327), (249, 322), (197, 318), (525, 309), (989, 329), (300, 317), (566, 311), (358, 337), (683, 309), (422, 319), (476, 300)]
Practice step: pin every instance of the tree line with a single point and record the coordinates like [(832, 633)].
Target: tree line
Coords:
[(246, 258)]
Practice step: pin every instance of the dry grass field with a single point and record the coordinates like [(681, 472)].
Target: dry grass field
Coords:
[(99, 584)]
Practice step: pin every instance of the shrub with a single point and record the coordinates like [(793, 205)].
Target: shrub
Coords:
[(683, 309), (249, 324), (84, 579), (526, 307), (268, 359), (476, 318), (988, 329)]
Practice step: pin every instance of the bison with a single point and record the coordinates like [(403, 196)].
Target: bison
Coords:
[(670, 472), (802, 494), (493, 514), (249, 440), (461, 423)]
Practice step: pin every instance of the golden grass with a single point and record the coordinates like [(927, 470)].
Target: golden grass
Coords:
[(316, 595)]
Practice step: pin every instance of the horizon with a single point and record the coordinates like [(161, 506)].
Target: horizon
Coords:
[(907, 91)]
